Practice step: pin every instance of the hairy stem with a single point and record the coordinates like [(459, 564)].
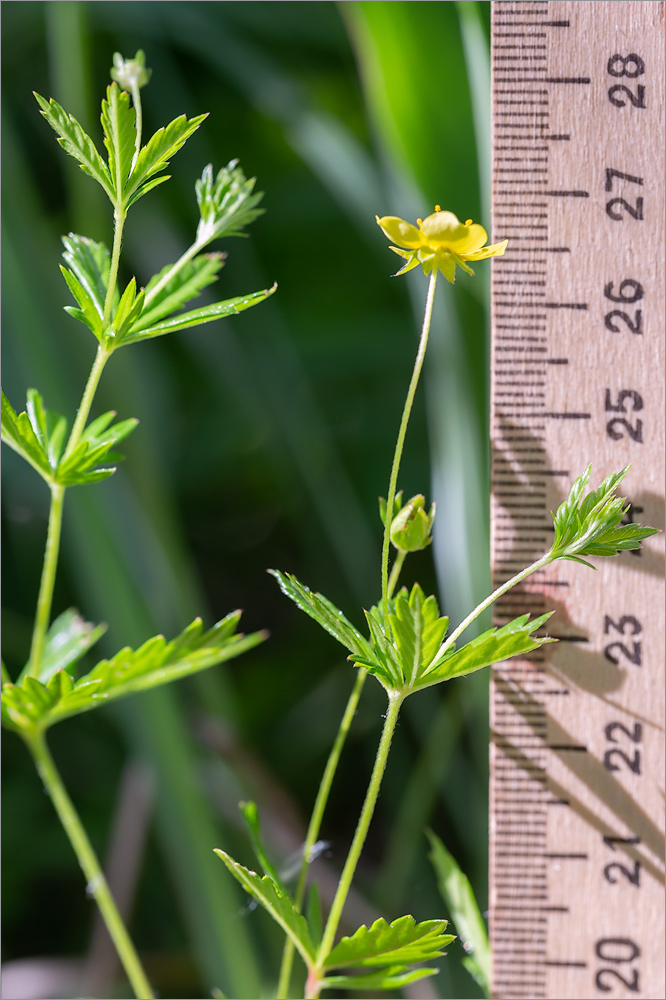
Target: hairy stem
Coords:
[(480, 608), (399, 445), (395, 701), (316, 820), (119, 216), (395, 572), (87, 398), (45, 598), (138, 123), (173, 270), (96, 884)]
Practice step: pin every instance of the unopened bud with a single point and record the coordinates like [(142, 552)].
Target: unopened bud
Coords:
[(130, 73), (411, 527)]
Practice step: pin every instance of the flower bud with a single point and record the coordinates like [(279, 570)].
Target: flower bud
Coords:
[(411, 527), (130, 73)]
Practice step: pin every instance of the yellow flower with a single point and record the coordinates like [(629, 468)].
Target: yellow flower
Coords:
[(441, 241)]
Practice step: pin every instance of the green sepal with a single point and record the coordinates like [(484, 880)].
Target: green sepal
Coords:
[(411, 527), (277, 903), (231, 307), (402, 942), (250, 815), (83, 465), (34, 705), (392, 978), (69, 637), (226, 203), (513, 639), (37, 434), (76, 142), (324, 613), (591, 525), (118, 124), (186, 284), (155, 155), (458, 895)]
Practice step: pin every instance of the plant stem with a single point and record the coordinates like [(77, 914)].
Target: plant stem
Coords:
[(45, 598), (395, 571), (395, 701), (316, 820), (174, 269), (138, 123), (395, 468), (101, 358), (119, 216), (96, 884), (480, 608)]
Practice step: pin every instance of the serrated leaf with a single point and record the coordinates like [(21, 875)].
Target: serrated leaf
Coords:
[(497, 644), (69, 637), (277, 903), (155, 155), (82, 466), (459, 897), (156, 662), (37, 434), (324, 613), (592, 525), (250, 815), (91, 263), (118, 124), (381, 658), (386, 979), (128, 312), (87, 312), (402, 942), (226, 204), (76, 142), (185, 284), (145, 188), (231, 307), (418, 632)]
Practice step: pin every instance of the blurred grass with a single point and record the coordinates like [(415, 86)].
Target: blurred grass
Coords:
[(264, 441)]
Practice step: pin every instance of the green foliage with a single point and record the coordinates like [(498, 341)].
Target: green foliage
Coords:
[(400, 943), (226, 204), (411, 527), (459, 897), (69, 637), (390, 978), (118, 125), (34, 705), (591, 525), (277, 903), (165, 296), (75, 141), (250, 815), (155, 156), (87, 279)]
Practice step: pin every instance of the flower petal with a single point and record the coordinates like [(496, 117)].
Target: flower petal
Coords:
[(400, 232), (443, 229), (495, 250)]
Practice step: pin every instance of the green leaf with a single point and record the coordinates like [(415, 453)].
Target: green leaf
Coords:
[(69, 637), (76, 142), (91, 263), (513, 639), (392, 978), (155, 155), (381, 658), (324, 612), (185, 284), (277, 903), (128, 312), (83, 465), (37, 435), (251, 817), (87, 312), (157, 661), (118, 124), (226, 203), (401, 942), (459, 897), (231, 307), (591, 525)]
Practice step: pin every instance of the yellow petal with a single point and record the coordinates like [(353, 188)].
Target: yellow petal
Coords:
[(400, 232), (495, 250), (443, 229)]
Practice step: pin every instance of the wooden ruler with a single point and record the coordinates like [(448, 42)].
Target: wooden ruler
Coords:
[(577, 757)]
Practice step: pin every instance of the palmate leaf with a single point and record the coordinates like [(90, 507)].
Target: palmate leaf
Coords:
[(185, 284), (155, 155), (76, 142), (32, 704), (184, 321), (226, 204), (277, 903), (324, 612), (391, 978), (459, 897), (118, 124), (94, 447), (513, 639), (591, 525), (400, 943), (69, 637), (37, 434), (87, 278)]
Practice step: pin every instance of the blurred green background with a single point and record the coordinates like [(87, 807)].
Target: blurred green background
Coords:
[(264, 441)]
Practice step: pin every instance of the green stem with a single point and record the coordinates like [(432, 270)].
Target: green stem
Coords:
[(316, 820), (395, 571), (395, 468), (138, 123), (174, 269), (119, 216), (96, 883), (480, 608), (83, 412), (45, 598), (395, 701)]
